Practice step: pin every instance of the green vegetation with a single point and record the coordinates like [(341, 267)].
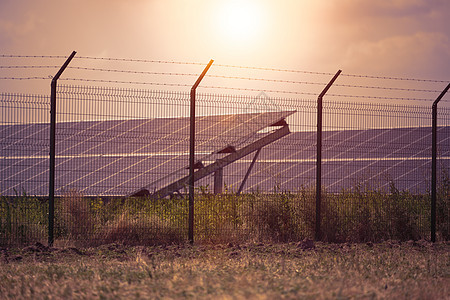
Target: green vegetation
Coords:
[(356, 215), (305, 270), (23, 220)]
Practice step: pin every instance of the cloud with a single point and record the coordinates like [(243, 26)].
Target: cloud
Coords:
[(422, 53), (391, 8), (387, 37), (25, 25)]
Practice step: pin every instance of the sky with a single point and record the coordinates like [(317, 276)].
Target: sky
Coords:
[(406, 38)]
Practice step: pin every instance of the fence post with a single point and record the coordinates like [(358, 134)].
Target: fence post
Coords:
[(433, 163), (192, 153), (51, 181), (318, 232)]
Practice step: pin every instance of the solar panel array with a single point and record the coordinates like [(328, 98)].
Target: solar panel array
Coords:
[(116, 157)]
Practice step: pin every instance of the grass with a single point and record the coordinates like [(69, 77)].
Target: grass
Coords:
[(304, 270), (360, 214)]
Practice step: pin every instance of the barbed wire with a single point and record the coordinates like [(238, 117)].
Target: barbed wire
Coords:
[(386, 88), (259, 90), (140, 60), (264, 69), (195, 75), (274, 69), (267, 80), (250, 78), (200, 64), (323, 84), (227, 88), (379, 97), (395, 78), (184, 85), (131, 71), (125, 82), (315, 94), (32, 56), (24, 78), (225, 66), (29, 67)]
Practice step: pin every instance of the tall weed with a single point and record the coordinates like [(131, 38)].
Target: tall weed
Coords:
[(74, 218), (360, 214)]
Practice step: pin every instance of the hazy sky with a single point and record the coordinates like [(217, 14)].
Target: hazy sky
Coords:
[(387, 37)]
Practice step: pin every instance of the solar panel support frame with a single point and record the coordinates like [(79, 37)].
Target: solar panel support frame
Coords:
[(241, 187), (218, 164), (218, 181)]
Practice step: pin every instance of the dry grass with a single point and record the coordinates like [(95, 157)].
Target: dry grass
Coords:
[(82, 225), (390, 270), (75, 215), (138, 230)]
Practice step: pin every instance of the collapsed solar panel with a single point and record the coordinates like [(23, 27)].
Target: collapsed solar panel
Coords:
[(248, 143)]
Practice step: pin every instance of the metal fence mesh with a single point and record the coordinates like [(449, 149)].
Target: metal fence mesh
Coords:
[(23, 163), (112, 142)]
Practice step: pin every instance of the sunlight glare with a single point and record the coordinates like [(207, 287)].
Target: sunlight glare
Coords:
[(240, 20)]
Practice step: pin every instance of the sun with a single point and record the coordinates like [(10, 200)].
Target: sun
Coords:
[(239, 20)]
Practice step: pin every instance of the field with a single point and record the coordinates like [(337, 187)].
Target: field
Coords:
[(252, 246), (302, 270)]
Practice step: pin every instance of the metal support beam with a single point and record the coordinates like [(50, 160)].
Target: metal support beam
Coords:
[(249, 171), (218, 181), (220, 163), (192, 153), (51, 181), (433, 163), (318, 233)]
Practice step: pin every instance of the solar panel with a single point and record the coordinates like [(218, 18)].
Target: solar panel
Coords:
[(350, 157)]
